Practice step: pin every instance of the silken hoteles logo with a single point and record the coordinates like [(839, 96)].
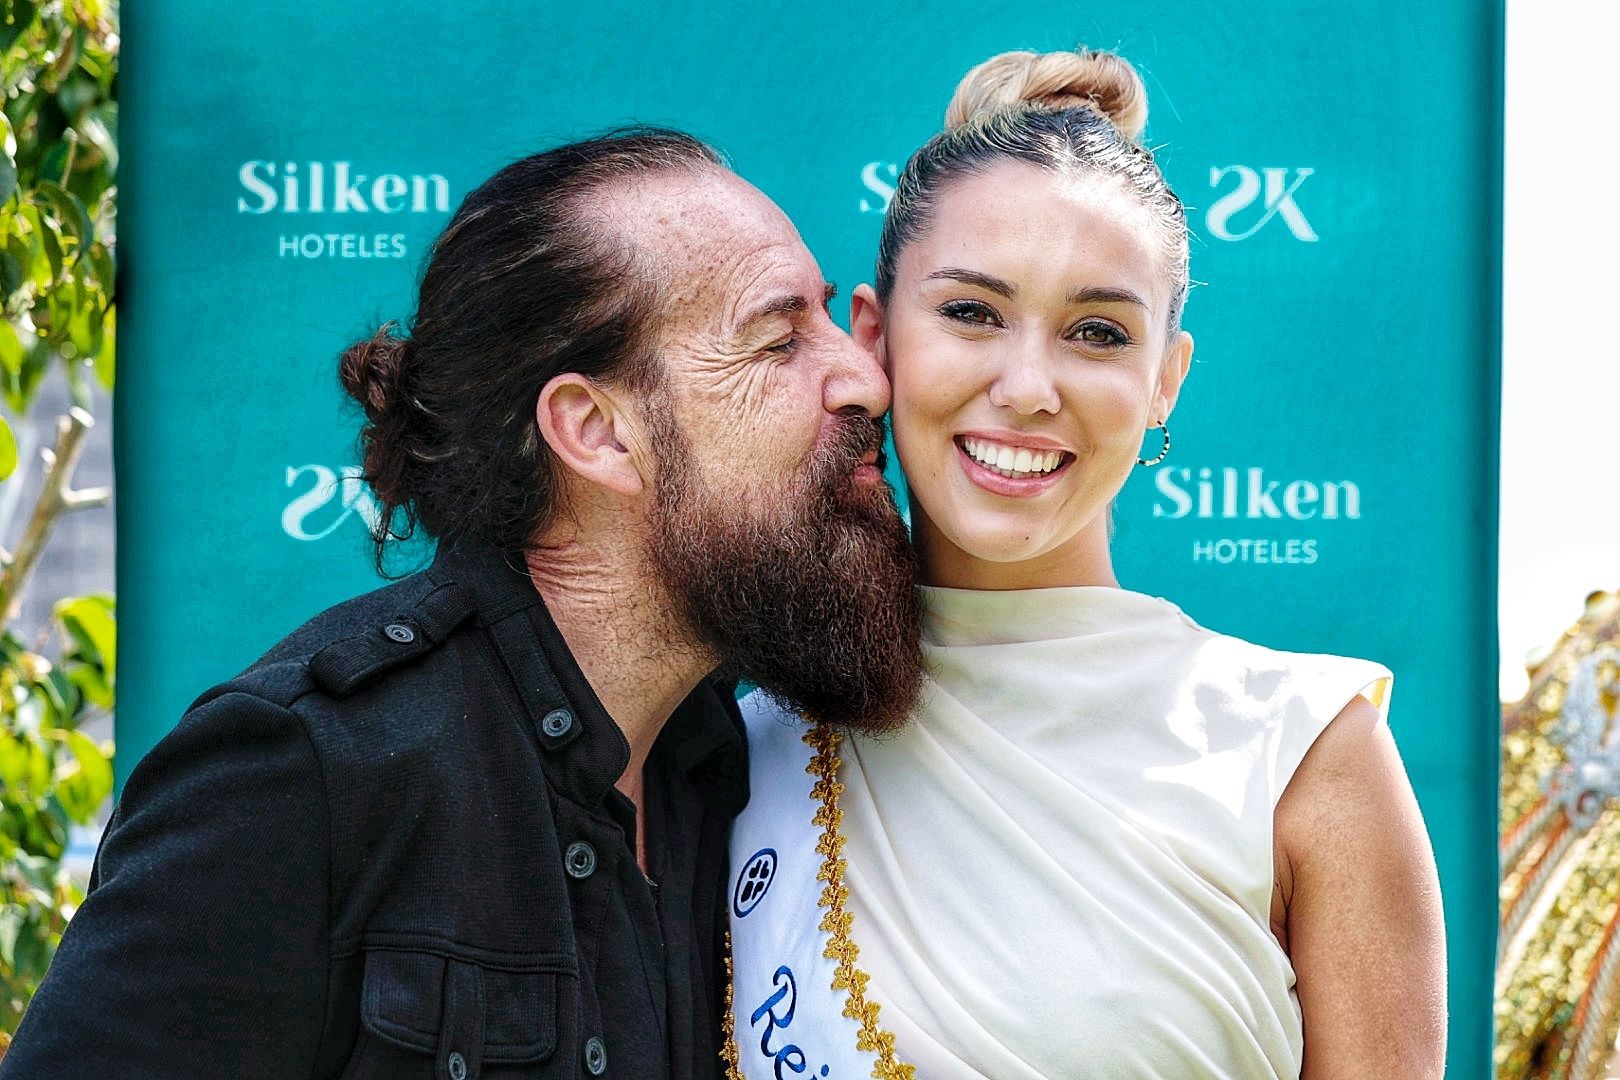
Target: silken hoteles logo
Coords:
[(337, 209), (1275, 189), (1233, 215), (1230, 494), (324, 498), (878, 179)]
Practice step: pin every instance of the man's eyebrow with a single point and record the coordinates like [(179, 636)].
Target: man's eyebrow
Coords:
[(974, 277), (1098, 294), (785, 304)]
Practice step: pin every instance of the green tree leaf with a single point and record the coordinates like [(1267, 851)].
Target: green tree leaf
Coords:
[(101, 262), (21, 18), (70, 214), (22, 259), (92, 623), (26, 769), (12, 348), (84, 321), (8, 449), (86, 779), (11, 924), (106, 356), (15, 770), (99, 128), (11, 274), (77, 93), (52, 247), (93, 685)]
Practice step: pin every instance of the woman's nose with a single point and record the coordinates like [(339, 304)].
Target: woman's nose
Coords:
[(1024, 383)]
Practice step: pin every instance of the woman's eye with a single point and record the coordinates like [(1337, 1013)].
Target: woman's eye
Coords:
[(975, 312), (1100, 333)]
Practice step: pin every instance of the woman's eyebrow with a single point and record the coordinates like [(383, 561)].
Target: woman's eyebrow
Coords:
[(1090, 294), (1100, 295), (974, 277)]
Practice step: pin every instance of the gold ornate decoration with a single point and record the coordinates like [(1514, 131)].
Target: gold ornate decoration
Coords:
[(835, 923), (729, 1053), (1558, 964)]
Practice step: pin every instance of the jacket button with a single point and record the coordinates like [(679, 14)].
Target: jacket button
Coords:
[(400, 632), (595, 1056), (457, 1066), (557, 722), (580, 860)]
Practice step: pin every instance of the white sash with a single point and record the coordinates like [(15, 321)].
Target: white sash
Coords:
[(788, 1019)]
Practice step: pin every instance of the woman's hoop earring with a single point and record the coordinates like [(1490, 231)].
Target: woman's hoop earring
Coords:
[(1164, 451)]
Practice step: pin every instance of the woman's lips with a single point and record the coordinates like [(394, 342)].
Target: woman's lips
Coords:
[(1033, 478)]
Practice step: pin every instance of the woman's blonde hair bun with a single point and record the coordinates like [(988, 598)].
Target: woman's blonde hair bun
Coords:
[(1103, 81)]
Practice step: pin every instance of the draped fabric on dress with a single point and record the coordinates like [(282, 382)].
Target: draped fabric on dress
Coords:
[(1063, 866)]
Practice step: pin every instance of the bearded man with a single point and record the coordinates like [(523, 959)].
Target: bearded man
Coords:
[(474, 824)]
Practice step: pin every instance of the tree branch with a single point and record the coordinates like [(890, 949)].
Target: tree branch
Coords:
[(56, 497)]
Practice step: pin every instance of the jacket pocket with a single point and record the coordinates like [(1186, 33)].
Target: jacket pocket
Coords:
[(428, 1014)]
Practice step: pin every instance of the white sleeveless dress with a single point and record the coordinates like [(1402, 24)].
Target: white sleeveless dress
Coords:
[(1062, 867)]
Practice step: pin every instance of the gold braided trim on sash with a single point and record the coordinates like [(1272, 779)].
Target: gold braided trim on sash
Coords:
[(835, 924), (729, 1053)]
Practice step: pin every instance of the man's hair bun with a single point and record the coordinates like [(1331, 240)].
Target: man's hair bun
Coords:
[(373, 372), (1103, 81), (370, 370)]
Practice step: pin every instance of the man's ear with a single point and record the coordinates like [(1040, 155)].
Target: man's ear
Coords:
[(586, 426), (866, 324), (1177, 362)]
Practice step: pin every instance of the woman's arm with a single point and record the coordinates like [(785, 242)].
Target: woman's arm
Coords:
[(1363, 923)]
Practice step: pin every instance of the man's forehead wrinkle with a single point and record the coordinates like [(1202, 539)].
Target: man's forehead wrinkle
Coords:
[(758, 279), (724, 251)]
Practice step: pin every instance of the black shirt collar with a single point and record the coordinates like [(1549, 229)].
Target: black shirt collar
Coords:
[(586, 755)]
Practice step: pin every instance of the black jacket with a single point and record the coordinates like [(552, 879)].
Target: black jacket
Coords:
[(393, 848)]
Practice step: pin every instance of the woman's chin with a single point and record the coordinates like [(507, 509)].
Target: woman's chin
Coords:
[(985, 557), (1008, 551)]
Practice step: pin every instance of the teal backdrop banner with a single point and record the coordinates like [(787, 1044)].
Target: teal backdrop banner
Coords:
[(1332, 483)]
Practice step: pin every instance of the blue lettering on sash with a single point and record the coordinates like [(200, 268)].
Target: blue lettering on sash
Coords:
[(785, 998)]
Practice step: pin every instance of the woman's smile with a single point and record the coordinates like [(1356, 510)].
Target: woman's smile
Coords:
[(1017, 466)]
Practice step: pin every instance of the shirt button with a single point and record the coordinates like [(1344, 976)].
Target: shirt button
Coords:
[(400, 632), (457, 1066), (580, 860), (595, 1056), (557, 722)]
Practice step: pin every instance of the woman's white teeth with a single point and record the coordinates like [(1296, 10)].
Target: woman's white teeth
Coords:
[(1012, 461)]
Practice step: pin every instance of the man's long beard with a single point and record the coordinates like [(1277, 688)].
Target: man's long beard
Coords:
[(814, 597)]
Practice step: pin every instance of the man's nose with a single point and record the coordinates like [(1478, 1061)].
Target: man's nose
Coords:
[(855, 381), (1024, 383)]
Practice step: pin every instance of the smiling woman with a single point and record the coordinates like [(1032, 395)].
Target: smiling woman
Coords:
[(1063, 346), (1107, 834)]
